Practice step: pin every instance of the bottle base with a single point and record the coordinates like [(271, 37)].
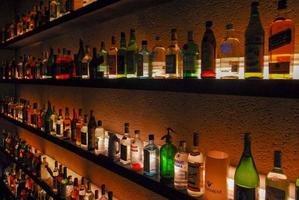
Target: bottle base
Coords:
[(253, 75)]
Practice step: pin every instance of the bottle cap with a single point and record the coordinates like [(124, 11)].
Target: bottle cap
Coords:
[(167, 137), (137, 132), (229, 26), (209, 24), (190, 35), (144, 42), (122, 34), (100, 123), (277, 159), (195, 139), (151, 137)]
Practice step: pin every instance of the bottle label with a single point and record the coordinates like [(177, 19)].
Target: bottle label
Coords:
[(194, 181), (136, 154), (84, 69), (158, 69), (150, 160), (280, 39), (274, 193), (112, 64), (83, 138), (140, 65), (208, 58), (131, 62), (121, 64), (189, 61), (181, 171), (123, 152), (171, 64), (242, 193), (254, 55)]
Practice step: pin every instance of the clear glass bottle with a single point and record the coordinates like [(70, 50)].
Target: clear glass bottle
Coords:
[(181, 167), (195, 169), (85, 63), (84, 134), (79, 125), (136, 152), (59, 125), (143, 68), (82, 190), (121, 57), (158, 56), (246, 176), (112, 59), (151, 157), (100, 139), (208, 53), (78, 60), (54, 11), (45, 176), (53, 120), (102, 70), (132, 50), (93, 65), (125, 146), (173, 58), (281, 44), (190, 58), (230, 53), (254, 45), (89, 194), (69, 187), (277, 183), (67, 124)]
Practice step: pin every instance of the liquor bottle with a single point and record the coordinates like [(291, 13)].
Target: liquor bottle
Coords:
[(246, 176), (195, 169), (84, 134), (121, 57), (79, 125), (281, 44), (230, 53), (125, 146), (69, 187), (45, 176), (67, 124), (112, 59), (63, 184), (208, 53), (100, 139), (54, 11), (50, 64), (181, 167), (167, 153), (58, 63), (32, 73), (73, 126), (85, 63), (151, 157), (131, 61), (102, 69), (110, 195), (34, 115), (89, 194), (103, 192), (113, 147), (55, 176), (59, 125), (173, 58), (53, 120), (254, 45), (78, 61), (38, 69), (143, 59), (297, 189), (20, 68), (277, 184), (136, 152), (93, 65), (77, 4), (96, 195), (82, 190), (59, 179), (190, 58), (75, 190), (92, 125)]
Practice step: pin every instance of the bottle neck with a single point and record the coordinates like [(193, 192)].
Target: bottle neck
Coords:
[(151, 142), (230, 33), (247, 148)]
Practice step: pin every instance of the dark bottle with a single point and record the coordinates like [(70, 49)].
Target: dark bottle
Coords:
[(110, 195), (78, 61), (121, 57), (73, 126), (131, 61), (113, 147), (93, 65), (92, 125), (102, 69), (51, 64), (112, 59)]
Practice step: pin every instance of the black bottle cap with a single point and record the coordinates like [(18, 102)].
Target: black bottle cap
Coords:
[(144, 42), (277, 159), (122, 34), (190, 35), (195, 139), (282, 4), (255, 4), (209, 24), (100, 123), (151, 137), (229, 26)]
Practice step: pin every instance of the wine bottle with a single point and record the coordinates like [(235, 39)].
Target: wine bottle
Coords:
[(246, 176)]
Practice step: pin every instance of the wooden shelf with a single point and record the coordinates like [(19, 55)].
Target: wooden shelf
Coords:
[(257, 88), (151, 183)]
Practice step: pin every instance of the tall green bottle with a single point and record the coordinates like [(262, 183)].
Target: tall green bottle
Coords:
[(167, 153), (246, 176), (190, 58), (48, 118)]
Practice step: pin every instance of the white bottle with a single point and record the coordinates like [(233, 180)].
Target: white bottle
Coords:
[(136, 152), (125, 146), (181, 167), (100, 139), (84, 134)]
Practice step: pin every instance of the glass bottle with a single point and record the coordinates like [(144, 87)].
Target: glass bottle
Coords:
[(254, 45), (50, 64), (93, 65), (167, 153), (143, 70), (89, 194), (85, 63), (92, 125), (103, 189), (125, 146), (84, 134), (195, 169), (73, 126), (79, 125), (132, 50), (158, 56), (136, 152), (55, 176), (67, 124), (181, 167), (190, 58), (121, 57), (208, 53), (96, 195), (69, 187), (277, 183), (230, 53), (173, 58), (100, 139), (53, 120), (246, 176), (20, 68), (281, 44), (78, 61), (82, 190), (34, 115), (110, 195), (63, 184), (151, 157), (112, 59), (45, 176), (102, 68), (59, 125), (54, 11)]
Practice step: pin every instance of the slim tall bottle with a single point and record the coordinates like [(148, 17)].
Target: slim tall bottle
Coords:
[(246, 176), (254, 45), (103, 192), (85, 63), (208, 53), (158, 56), (100, 139), (92, 125), (173, 58), (121, 57), (53, 120), (112, 59), (195, 169), (59, 125), (79, 125), (93, 65), (277, 184), (78, 61), (48, 118), (151, 157), (181, 167), (230, 53), (102, 70), (89, 194), (84, 134), (136, 152), (143, 59), (281, 44), (190, 58), (125, 146), (131, 61)]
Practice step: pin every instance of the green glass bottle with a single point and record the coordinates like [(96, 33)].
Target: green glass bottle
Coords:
[(167, 153), (48, 118), (121, 57), (190, 58), (246, 176), (297, 189), (131, 61)]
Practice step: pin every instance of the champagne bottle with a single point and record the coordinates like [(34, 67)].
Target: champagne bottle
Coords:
[(246, 176)]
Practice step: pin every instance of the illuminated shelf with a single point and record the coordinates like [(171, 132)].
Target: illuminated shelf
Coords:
[(39, 182), (151, 183), (258, 88)]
